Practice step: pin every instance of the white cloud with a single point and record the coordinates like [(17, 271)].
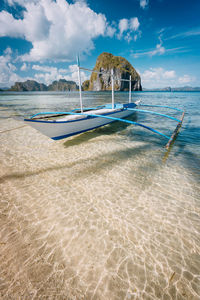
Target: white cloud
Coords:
[(73, 74), (159, 77), (7, 74), (144, 3), (151, 78), (185, 34), (24, 67), (20, 2), (185, 79), (134, 24), (48, 74), (110, 30), (44, 68), (10, 26), (127, 27), (8, 51), (8, 71), (57, 30), (159, 50), (123, 26), (169, 74)]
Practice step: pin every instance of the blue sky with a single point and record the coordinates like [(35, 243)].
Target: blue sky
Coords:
[(39, 39)]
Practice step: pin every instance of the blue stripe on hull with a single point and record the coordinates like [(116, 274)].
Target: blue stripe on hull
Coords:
[(88, 116)]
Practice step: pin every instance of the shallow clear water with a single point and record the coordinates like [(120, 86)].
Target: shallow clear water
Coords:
[(187, 143), (108, 214)]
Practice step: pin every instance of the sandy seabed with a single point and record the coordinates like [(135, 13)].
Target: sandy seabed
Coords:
[(94, 217)]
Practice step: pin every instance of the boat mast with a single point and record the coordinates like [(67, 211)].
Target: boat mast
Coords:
[(79, 82), (112, 82), (130, 89)]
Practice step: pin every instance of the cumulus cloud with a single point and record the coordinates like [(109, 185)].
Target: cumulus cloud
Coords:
[(185, 79), (44, 68), (144, 3), (48, 74), (57, 30), (110, 30), (123, 26), (9, 26), (8, 71), (134, 24), (158, 77), (129, 29), (24, 67), (169, 74), (19, 2), (7, 74)]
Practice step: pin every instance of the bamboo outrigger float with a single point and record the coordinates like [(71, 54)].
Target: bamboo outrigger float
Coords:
[(59, 125)]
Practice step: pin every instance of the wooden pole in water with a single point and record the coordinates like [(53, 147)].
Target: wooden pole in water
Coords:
[(79, 81), (175, 133), (112, 82), (130, 89)]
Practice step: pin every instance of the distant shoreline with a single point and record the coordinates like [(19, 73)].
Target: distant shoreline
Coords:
[(64, 92), (66, 86)]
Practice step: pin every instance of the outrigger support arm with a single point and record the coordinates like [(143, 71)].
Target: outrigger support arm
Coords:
[(154, 113), (176, 131), (164, 106), (170, 139)]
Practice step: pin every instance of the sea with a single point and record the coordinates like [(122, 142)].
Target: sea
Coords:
[(186, 149), (128, 207)]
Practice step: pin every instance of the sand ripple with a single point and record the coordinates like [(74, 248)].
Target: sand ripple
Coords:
[(95, 217)]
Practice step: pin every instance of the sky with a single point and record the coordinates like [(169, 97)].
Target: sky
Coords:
[(40, 39)]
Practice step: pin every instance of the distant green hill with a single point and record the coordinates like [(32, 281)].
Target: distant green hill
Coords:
[(32, 85), (63, 85), (28, 86)]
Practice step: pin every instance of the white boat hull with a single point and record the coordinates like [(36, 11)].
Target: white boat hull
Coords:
[(77, 123), (63, 129)]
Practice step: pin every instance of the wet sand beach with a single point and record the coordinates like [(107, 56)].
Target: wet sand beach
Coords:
[(96, 216)]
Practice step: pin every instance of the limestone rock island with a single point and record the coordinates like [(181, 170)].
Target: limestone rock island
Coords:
[(122, 69)]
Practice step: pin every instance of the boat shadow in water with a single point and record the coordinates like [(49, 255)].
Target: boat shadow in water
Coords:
[(108, 129), (97, 163)]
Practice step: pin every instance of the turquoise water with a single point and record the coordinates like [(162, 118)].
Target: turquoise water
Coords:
[(108, 214), (186, 147)]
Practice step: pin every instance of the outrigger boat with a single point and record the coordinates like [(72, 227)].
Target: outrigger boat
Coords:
[(59, 125)]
